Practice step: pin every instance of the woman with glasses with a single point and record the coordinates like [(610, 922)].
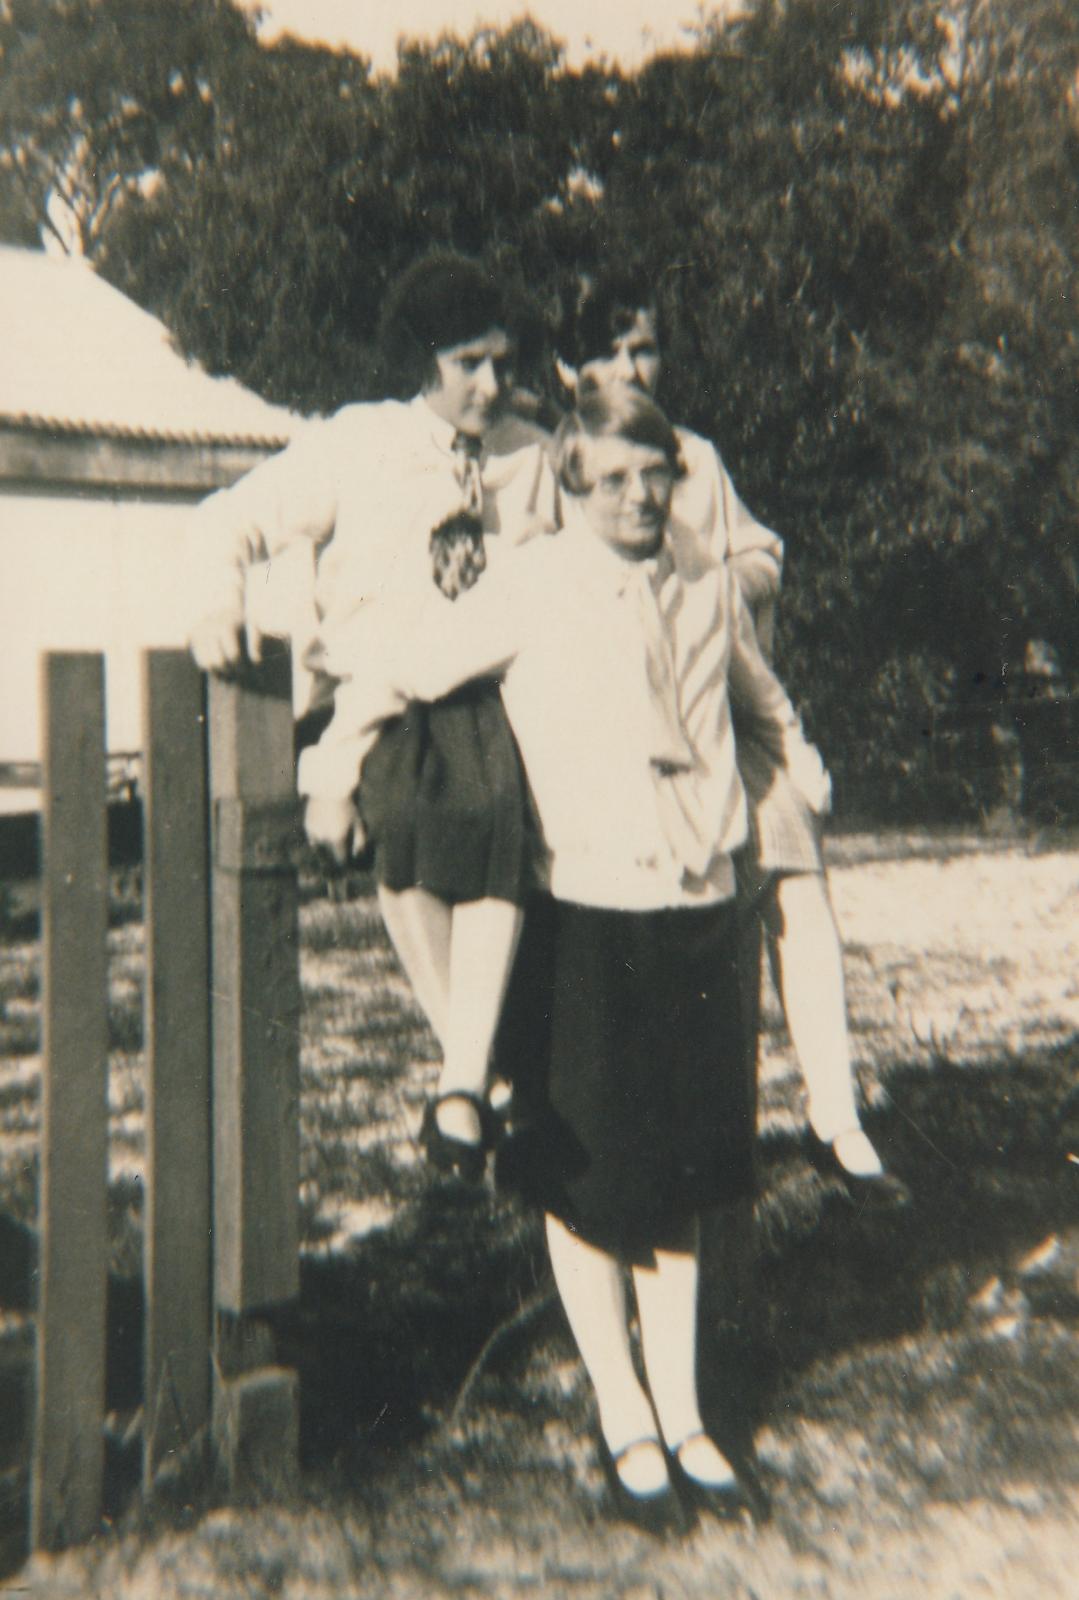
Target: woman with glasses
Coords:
[(615, 642), (611, 336)]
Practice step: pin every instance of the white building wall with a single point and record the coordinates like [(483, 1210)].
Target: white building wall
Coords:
[(85, 574)]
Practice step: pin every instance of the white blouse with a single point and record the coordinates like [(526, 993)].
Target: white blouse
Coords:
[(363, 489), (561, 622)]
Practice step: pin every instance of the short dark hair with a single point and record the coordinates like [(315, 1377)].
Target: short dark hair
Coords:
[(441, 300), (599, 308), (615, 411)]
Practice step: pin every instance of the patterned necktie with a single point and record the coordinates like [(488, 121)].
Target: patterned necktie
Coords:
[(466, 469), (458, 557)]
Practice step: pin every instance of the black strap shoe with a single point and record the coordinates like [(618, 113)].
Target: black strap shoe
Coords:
[(876, 1191), (660, 1514), (740, 1498), (458, 1158), (720, 1499)]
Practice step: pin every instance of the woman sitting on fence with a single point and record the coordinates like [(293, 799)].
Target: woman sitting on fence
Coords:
[(398, 499), (616, 645), (611, 335)]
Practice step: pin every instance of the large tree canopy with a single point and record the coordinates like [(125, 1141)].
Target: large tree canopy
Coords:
[(861, 222), (97, 97)]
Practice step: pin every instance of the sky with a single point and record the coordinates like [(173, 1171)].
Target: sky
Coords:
[(625, 31)]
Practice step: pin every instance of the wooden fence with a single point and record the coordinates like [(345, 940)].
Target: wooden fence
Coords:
[(221, 1007)]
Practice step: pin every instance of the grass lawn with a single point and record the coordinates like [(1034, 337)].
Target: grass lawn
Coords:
[(910, 1382)]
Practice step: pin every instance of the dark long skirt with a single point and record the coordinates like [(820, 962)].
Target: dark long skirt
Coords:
[(623, 1038), (445, 802)]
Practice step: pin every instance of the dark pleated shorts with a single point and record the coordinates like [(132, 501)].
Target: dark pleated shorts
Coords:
[(784, 833), (445, 803), (622, 1035)]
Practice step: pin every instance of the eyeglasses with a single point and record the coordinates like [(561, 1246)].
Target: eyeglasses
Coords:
[(656, 481)]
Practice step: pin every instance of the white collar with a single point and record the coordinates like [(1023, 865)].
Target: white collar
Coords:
[(441, 432), (603, 564)]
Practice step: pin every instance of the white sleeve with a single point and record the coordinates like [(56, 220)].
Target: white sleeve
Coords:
[(389, 656), (759, 697), (474, 636), (756, 552), (706, 501), (290, 498)]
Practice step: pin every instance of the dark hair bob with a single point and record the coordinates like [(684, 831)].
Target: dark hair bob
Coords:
[(443, 299), (603, 308)]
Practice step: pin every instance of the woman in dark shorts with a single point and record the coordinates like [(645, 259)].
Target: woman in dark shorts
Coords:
[(401, 499), (616, 645)]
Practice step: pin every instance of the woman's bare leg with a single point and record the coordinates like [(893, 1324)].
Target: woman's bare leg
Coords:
[(420, 924), (483, 944), (804, 947)]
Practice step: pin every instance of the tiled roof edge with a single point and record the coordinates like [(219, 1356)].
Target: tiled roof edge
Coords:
[(118, 430)]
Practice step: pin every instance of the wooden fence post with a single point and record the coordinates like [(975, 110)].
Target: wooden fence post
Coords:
[(176, 1248), (256, 1009), (68, 1462)]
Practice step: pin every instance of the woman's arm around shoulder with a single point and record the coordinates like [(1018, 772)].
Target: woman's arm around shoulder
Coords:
[(707, 495), (479, 634), (760, 699)]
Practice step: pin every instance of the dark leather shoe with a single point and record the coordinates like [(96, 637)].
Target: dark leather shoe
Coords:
[(880, 1191), (459, 1158), (743, 1498), (723, 1500), (661, 1514)]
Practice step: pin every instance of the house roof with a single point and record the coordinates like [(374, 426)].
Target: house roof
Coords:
[(79, 357)]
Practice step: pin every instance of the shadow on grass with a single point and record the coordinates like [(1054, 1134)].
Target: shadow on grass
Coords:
[(862, 1323), (856, 1315), (384, 1336), (124, 1319)]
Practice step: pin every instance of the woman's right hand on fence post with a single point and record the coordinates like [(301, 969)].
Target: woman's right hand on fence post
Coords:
[(333, 827), (222, 641)]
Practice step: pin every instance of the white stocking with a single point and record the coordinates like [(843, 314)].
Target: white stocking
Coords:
[(667, 1305), (458, 960), (592, 1289), (483, 943)]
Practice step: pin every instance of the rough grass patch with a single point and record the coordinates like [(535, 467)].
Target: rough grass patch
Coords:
[(881, 1380)]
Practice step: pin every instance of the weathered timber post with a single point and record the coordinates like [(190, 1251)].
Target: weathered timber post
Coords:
[(256, 1008), (68, 1463), (176, 1248)]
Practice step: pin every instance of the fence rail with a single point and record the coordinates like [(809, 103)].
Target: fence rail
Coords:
[(221, 1005)]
